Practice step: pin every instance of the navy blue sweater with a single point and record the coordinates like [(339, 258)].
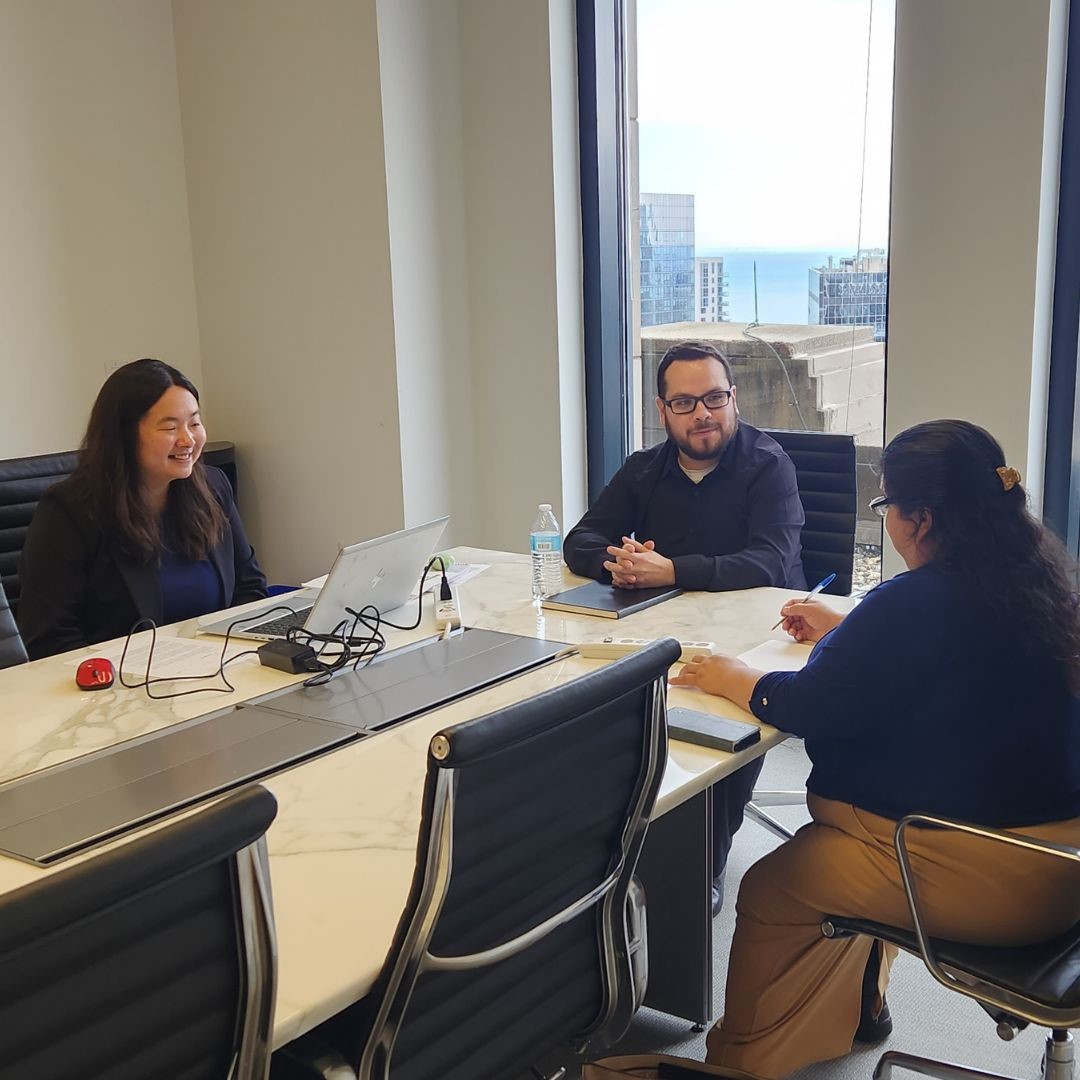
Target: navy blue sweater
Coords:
[(925, 699), (738, 528)]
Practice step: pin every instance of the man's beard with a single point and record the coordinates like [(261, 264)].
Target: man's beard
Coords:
[(698, 451)]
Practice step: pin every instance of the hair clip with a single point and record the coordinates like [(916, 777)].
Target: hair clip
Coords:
[(1009, 477)]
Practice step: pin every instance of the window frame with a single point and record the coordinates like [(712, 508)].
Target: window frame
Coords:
[(1061, 481), (603, 126)]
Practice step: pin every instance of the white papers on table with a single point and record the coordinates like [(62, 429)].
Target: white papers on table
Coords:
[(776, 655), (173, 658)]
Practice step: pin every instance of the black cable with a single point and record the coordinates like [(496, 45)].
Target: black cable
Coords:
[(420, 599), (783, 367), (355, 649), (149, 681)]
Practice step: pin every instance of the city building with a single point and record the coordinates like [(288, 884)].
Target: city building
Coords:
[(667, 258), (851, 292), (710, 290)]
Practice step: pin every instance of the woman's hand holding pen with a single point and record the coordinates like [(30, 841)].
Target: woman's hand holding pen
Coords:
[(809, 620)]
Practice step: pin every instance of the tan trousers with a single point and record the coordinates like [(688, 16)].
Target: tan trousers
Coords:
[(793, 996)]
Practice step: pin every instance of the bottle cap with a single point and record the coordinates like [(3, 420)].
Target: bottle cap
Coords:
[(545, 506)]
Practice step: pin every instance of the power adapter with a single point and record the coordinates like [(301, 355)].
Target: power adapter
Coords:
[(287, 656)]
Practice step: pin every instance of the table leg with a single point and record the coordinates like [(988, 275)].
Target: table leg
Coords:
[(676, 869)]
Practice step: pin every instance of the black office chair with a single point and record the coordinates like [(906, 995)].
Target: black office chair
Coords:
[(22, 483), (825, 471), (12, 651), (514, 940), (155, 959), (1037, 984)]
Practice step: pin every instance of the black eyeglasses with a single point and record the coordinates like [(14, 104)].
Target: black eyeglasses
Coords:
[(881, 505), (684, 403)]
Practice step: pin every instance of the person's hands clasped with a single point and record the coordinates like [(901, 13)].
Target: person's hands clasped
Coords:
[(809, 620), (637, 565)]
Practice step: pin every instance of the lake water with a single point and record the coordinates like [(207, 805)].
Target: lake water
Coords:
[(782, 283)]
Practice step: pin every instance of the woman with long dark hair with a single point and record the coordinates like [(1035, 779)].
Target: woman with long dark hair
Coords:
[(950, 690), (141, 530)]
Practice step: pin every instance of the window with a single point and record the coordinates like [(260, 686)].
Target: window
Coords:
[(763, 135)]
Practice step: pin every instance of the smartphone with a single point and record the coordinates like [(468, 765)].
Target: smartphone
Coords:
[(718, 732)]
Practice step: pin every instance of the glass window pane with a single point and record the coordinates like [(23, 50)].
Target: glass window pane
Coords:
[(763, 190)]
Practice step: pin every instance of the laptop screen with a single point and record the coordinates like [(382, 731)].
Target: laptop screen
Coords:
[(379, 572)]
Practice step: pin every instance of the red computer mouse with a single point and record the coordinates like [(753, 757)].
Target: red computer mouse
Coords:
[(94, 674)]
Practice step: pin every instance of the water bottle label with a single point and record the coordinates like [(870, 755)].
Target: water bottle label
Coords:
[(542, 545)]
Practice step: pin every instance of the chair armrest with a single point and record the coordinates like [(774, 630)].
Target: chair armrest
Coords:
[(999, 997)]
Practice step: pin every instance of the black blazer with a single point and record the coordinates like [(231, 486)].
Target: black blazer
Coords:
[(78, 589)]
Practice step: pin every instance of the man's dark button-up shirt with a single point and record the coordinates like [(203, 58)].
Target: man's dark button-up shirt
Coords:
[(738, 528)]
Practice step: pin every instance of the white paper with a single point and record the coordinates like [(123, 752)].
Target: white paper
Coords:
[(174, 657), (774, 655)]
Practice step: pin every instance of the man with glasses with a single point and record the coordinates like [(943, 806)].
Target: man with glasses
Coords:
[(714, 507)]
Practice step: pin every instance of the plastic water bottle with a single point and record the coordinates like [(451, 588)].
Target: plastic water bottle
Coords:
[(545, 543)]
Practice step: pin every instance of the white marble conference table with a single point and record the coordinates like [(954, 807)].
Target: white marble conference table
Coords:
[(342, 847)]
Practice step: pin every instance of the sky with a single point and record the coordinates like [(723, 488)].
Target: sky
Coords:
[(756, 108)]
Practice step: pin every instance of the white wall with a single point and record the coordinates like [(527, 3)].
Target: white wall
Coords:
[(210, 183), (282, 126), (1046, 254), (967, 184), (425, 180), (967, 195), (385, 222), (480, 129), (95, 255), (570, 308), (526, 332)]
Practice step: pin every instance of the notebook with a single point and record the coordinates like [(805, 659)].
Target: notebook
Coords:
[(607, 601)]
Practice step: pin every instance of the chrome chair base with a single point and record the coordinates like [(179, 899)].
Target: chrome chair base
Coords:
[(754, 812), (1057, 1063)]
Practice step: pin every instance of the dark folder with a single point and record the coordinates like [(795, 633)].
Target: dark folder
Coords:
[(607, 601)]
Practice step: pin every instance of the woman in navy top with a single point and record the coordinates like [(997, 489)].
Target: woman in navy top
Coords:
[(950, 689), (141, 530)]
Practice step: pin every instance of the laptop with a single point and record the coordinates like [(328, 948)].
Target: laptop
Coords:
[(381, 572)]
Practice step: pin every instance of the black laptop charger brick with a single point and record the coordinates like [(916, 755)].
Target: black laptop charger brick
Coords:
[(287, 656)]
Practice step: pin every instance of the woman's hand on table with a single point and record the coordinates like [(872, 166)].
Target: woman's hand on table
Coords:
[(724, 676), (809, 620)]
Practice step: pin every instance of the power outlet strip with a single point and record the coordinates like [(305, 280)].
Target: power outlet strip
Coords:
[(447, 613), (611, 648)]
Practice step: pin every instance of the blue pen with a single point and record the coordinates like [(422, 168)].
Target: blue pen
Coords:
[(825, 581)]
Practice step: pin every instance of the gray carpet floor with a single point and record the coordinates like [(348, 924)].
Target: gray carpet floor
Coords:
[(928, 1019)]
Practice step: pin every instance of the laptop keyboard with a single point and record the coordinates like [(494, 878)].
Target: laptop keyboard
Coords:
[(280, 626)]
